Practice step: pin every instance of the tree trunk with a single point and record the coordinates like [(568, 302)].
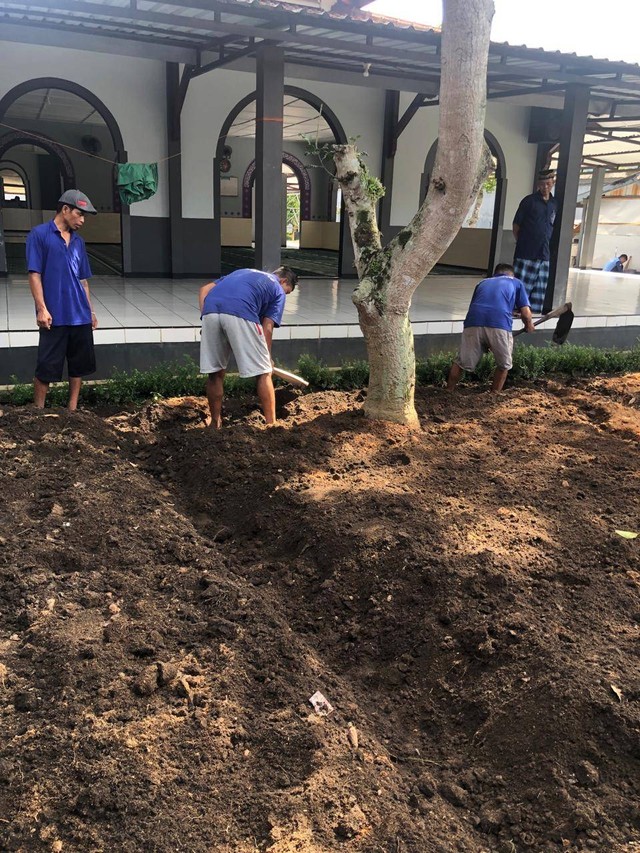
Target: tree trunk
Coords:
[(392, 363), (389, 276)]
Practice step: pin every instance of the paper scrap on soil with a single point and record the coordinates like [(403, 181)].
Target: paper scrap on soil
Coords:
[(321, 705)]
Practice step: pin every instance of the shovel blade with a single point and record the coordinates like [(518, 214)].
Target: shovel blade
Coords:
[(561, 332)]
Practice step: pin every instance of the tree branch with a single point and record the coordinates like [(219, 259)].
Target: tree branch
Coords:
[(456, 177)]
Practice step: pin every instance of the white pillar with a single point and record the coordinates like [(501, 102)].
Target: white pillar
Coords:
[(590, 219)]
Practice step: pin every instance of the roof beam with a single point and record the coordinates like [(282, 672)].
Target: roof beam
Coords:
[(619, 139), (602, 162), (97, 12), (249, 50), (598, 122), (596, 84), (368, 51), (412, 109), (538, 90), (102, 42), (416, 80)]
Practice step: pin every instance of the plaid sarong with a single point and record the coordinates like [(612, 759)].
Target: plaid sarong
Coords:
[(535, 277)]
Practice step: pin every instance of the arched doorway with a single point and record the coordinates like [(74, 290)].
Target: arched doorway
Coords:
[(15, 184), (16, 141), (293, 208), (43, 170), (294, 166), (78, 142), (321, 232), (479, 251)]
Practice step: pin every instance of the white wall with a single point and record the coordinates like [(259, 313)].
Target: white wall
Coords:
[(211, 98), (508, 124), (360, 112), (133, 90), (413, 146)]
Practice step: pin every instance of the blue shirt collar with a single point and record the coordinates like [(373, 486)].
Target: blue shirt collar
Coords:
[(53, 227)]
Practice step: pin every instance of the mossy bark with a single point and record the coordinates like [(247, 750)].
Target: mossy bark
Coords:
[(392, 363)]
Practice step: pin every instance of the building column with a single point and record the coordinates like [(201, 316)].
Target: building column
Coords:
[(590, 218), (389, 144), (269, 128), (574, 125), (174, 166), (543, 158), (497, 226), (125, 225), (3, 251)]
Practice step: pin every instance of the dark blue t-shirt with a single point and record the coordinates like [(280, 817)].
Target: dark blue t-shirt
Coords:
[(535, 216), (494, 301), (61, 268), (250, 294)]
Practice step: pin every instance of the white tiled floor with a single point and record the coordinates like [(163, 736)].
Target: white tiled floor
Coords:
[(141, 310)]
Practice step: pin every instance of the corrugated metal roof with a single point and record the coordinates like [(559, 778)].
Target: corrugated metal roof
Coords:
[(196, 16)]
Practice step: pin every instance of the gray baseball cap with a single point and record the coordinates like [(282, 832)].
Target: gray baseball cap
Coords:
[(74, 198)]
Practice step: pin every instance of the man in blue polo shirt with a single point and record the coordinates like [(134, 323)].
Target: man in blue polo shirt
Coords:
[(616, 264), (488, 325), (239, 313), (532, 228), (58, 278)]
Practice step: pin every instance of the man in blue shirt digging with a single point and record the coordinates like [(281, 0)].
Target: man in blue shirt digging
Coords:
[(488, 325), (59, 276), (239, 313)]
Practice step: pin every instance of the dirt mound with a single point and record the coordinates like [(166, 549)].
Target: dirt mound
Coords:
[(171, 597)]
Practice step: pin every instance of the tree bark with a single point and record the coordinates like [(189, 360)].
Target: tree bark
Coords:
[(392, 368), (389, 276)]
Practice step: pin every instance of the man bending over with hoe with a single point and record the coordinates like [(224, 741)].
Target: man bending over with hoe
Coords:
[(488, 325), (239, 313)]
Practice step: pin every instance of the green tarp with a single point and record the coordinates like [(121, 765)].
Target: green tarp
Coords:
[(136, 181)]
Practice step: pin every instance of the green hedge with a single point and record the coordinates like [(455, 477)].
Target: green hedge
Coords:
[(179, 379)]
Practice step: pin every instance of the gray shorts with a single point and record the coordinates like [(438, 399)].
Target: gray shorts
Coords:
[(476, 340), (223, 334)]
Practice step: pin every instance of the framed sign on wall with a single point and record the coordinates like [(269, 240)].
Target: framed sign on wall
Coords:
[(228, 186)]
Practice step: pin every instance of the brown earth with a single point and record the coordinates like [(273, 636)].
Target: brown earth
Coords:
[(170, 599)]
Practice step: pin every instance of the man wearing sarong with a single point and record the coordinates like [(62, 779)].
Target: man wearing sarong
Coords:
[(532, 228)]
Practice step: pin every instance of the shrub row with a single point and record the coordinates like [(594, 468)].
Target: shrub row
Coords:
[(182, 378)]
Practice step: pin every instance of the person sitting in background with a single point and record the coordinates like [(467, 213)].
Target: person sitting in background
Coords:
[(488, 325), (617, 264)]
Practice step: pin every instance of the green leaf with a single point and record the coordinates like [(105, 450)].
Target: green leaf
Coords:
[(627, 534)]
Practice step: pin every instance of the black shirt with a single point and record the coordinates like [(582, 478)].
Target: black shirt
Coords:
[(535, 216)]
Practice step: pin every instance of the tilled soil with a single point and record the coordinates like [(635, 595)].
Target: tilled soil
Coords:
[(171, 597)]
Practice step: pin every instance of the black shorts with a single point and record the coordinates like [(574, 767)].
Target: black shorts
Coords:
[(73, 343)]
